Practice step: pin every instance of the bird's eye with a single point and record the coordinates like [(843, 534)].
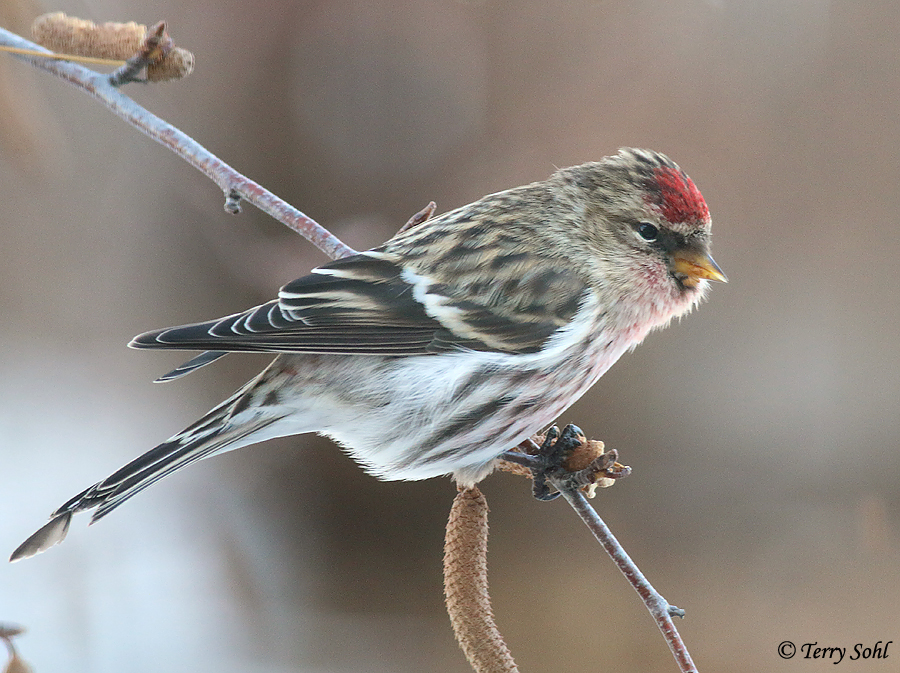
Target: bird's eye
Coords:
[(647, 231)]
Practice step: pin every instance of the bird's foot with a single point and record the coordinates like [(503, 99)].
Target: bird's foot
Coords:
[(566, 460), (569, 460), (554, 451)]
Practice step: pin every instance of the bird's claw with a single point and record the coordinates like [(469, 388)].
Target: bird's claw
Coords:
[(554, 450)]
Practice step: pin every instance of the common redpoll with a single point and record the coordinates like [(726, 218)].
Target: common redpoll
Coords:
[(457, 339)]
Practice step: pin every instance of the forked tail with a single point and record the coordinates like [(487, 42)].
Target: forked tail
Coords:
[(221, 428)]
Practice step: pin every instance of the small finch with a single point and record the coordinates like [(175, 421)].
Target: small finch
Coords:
[(454, 341)]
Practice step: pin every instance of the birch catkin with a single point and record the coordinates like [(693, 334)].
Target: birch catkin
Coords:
[(466, 586), (115, 41), (70, 35)]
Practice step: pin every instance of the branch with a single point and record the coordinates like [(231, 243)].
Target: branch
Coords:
[(234, 185), (659, 608), (572, 464)]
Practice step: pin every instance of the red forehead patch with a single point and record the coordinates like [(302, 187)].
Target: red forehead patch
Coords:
[(680, 200)]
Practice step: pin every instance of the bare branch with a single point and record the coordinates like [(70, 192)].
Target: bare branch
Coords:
[(572, 464), (659, 608), (229, 180)]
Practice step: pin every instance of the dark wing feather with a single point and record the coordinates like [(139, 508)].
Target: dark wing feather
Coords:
[(192, 365), (363, 304), (358, 304)]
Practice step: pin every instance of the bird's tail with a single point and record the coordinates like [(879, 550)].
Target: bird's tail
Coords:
[(223, 428)]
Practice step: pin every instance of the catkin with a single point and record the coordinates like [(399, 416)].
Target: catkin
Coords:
[(116, 41), (69, 35), (466, 586), (176, 64)]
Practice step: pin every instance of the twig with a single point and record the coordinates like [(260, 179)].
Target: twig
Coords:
[(420, 217), (659, 608), (64, 57), (156, 45), (560, 460), (229, 180)]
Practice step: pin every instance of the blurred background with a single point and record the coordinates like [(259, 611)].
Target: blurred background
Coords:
[(762, 429)]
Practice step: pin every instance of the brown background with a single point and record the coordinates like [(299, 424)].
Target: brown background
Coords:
[(762, 429)]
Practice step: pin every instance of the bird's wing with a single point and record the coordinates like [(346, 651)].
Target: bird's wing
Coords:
[(373, 303)]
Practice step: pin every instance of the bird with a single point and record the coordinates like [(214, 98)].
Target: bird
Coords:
[(457, 339)]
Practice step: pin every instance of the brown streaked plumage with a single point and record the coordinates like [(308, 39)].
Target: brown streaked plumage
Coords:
[(455, 340)]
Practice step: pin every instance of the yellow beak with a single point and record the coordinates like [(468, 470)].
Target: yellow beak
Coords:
[(695, 265)]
